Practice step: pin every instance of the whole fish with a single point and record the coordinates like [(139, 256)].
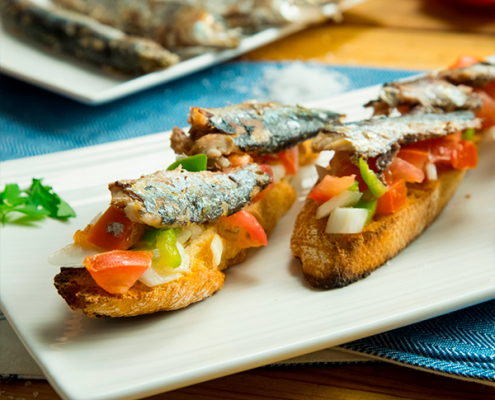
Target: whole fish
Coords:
[(479, 74), (251, 127), (180, 198), (172, 24), (382, 136), (430, 94), (85, 39)]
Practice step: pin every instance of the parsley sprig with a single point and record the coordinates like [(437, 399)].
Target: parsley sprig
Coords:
[(35, 203)]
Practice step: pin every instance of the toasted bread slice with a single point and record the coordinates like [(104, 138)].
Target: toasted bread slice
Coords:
[(203, 279), (331, 260)]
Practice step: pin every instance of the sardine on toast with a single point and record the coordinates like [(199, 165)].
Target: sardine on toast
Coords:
[(85, 38), (388, 180), (252, 128), (479, 74)]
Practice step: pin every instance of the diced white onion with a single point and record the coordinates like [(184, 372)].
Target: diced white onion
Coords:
[(154, 276), (195, 230), (431, 172), (347, 220), (345, 199), (184, 236), (72, 256), (278, 172), (216, 249)]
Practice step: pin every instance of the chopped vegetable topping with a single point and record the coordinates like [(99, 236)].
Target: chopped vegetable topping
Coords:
[(166, 242), (374, 184), (401, 169), (487, 112), (465, 61), (346, 220), (394, 199), (251, 233), (416, 157), (468, 134), (369, 204), (465, 156), (35, 203), (192, 164), (331, 186), (290, 160), (116, 271), (112, 231)]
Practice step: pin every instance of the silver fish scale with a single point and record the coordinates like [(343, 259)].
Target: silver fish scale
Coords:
[(173, 198), (282, 127), (375, 137)]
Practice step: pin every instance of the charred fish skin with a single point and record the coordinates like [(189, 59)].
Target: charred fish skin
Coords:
[(260, 128), (171, 23), (382, 135), (85, 39), (429, 93), (479, 74), (180, 198)]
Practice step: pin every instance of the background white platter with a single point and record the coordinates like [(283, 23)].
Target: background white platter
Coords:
[(59, 73), (265, 313)]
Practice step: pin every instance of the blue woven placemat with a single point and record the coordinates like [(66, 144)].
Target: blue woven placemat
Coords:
[(34, 121)]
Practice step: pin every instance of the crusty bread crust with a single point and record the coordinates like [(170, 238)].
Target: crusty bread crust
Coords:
[(331, 261), (81, 292)]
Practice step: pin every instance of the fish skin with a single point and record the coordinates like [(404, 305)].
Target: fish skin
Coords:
[(180, 198), (479, 74), (171, 23), (381, 136), (86, 39), (431, 94), (257, 128)]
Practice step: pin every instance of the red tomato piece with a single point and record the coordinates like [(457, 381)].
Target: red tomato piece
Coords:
[(290, 160), (490, 90), (236, 160), (116, 271), (331, 186), (268, 169), (248, 223), (416, 157), (394, 199), (487, 112), (112, 231), (342, 166), (465, 156), (465, 61), (401, 169)]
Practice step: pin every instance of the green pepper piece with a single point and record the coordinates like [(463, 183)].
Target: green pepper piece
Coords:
[(354, 187), (369, 203), (468, 134), (167, 246), (148, 240), (374, 184), (192, 164)]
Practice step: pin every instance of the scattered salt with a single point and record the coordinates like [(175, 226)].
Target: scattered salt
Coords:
[(299, 82)]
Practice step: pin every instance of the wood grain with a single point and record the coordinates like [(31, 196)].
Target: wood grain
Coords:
[(416, 34), (376, 381)]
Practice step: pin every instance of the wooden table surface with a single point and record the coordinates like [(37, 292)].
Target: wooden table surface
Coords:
[(394, 33)]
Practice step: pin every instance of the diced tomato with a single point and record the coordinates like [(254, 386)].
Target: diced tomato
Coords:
[(270, 160), (440, 149), (401, 169), (116, 271), (112, 231), (331, 186), (268, 169), (342, 166), (416, 157), (455, 137), (251, 234), (236, 160), (404, 108), (290, 160), (490, 89), (394, 199), (465, 61), (487, 112), (465, 156)]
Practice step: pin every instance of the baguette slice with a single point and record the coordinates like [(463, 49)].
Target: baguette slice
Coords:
[(331, 260), (81, 292)]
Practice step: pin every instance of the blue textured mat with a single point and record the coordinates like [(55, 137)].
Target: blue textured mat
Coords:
[(33, 121)]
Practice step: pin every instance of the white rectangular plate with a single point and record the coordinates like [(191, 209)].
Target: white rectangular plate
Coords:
[(265, 313)]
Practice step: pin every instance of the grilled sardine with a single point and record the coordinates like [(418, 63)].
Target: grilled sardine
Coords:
[(479, 74), (254, 128), (171, 23), (180, 198), (86, 39), (381, 137), (429, 93)]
